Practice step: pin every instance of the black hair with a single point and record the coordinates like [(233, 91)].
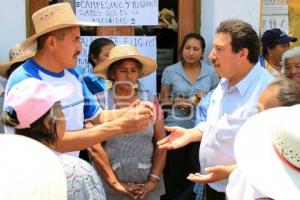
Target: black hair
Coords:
[(12, 68), (37, 129), (196, 36), (270, 45), (60, 34), (242, 36), (96, 47)]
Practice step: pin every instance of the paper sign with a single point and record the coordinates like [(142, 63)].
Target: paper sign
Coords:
[(275, 15), (118, 12)]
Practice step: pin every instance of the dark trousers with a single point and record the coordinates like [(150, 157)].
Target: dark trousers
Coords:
[(211, 194), (179, 164)]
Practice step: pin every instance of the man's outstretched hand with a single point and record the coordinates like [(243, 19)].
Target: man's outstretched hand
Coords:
[(177, 138)]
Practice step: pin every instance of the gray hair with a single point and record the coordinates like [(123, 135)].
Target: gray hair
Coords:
[(288, 91), (289, 54)]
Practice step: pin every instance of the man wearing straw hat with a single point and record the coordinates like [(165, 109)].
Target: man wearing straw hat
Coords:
[(58, 45)]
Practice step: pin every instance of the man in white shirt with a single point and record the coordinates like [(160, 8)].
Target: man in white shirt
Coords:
[(234, 55)]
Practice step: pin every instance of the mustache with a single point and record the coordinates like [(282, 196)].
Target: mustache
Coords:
[(214, 61)]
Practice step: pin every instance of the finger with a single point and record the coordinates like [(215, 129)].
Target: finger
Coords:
[(136, 103), (211, 169), (165, 146), (143, 195), (200, 178), (148, 106), (139, 185), (90, 150), (195, 174), (133, 196), (169, 128), (163, 141)]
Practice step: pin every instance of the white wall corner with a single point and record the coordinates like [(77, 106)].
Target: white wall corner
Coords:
[(13, 25), (215, 11)]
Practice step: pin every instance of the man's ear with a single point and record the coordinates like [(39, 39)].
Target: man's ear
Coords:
[(51, 42), (244, 52)]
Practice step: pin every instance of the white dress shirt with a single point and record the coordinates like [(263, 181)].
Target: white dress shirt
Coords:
[(228, 109)]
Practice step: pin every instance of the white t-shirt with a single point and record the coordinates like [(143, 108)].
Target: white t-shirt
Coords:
[(79, 107)]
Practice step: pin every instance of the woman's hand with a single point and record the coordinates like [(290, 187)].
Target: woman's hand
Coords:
[(148, 187), (182, 104), (129, 189), (133, 190), (122, 188)]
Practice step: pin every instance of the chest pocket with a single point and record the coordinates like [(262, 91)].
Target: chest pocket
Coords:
[(228, 127)]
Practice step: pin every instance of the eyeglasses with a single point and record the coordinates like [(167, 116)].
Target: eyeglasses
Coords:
[(54, 116)]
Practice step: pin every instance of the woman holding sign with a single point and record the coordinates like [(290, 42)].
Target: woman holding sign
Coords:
[(135, 159)]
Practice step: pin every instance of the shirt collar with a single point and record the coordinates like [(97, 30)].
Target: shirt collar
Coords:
[(203, 72), (245, 83)]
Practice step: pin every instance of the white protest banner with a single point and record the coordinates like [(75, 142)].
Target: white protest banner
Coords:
[(275, 15), (118, 12), (146, 45)]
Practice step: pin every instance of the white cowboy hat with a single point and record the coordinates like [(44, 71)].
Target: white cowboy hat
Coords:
[(126, 51), (54, 17), (30, 170), (267, 150), (16, 54)]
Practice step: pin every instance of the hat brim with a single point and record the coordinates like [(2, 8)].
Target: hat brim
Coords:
[(148, 65), (31, 40), (5, 66), (286, 39), (256, 157)]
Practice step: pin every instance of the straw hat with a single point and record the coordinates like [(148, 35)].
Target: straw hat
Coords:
[(54, 17), (16, 54), (126, 51), (267, 150)]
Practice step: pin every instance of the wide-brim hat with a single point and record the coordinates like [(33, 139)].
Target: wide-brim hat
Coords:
[(51, 18), (40, 176), (16, 54), (126, 51), (256, 155)]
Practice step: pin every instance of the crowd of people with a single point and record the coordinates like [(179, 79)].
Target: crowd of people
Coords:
[(227, 130)]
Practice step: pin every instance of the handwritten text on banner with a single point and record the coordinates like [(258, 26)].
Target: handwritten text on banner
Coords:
[(118, 12)]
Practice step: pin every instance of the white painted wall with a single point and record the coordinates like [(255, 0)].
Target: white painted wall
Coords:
[(13, 25), (215, 11)]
